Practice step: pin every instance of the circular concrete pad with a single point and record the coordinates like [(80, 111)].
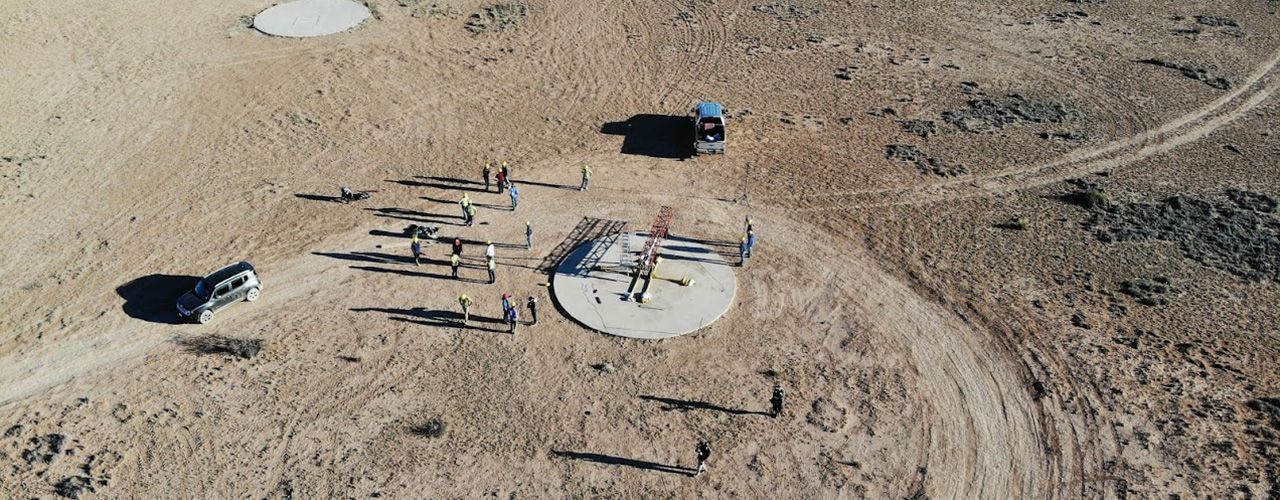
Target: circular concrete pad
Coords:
[(304, 18), (591, 286)]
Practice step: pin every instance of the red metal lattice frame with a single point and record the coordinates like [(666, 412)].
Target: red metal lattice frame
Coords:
[(657, 232)]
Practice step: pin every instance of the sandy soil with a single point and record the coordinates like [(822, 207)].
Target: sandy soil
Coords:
[(933, 285)]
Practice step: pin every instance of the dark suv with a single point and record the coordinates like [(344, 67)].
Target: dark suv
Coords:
[(220, 289)]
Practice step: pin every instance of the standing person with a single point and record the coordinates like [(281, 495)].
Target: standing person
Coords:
[(751, 242), (502, 181), (515, 197), (586, 178), (457, 246), (742, 252), (488, 169), (506, 304), (506, 171), (750, 224), (471, 215), (704, 452), (776, 400), (489, 250), (533, 310), (513, 318), (465, 302), (454, 262), (415, 246), (528, 235), (492, 265)]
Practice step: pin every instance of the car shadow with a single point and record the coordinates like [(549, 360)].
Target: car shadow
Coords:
[(658, 136), (154, 297)]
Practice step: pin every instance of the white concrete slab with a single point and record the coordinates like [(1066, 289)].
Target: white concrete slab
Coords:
[(303, 18), (590, 285)]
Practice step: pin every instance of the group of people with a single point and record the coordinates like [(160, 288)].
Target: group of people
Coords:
[(510, 310), (703, 448)]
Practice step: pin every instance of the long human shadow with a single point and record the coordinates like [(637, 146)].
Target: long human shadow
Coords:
[(411, 213), (627, 462), (406, 182), (436, 318), (422, 219), (420, 274), (658, 136), (318, 197), (491, 206), (719, 243), (379, 258), (546, 184), (152, 297), (685, 405), (449, 179), (440, 185)]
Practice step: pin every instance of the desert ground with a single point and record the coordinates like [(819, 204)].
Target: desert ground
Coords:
[(1023, 250)]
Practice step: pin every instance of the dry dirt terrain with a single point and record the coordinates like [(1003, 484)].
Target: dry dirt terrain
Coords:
[(1006, 251)]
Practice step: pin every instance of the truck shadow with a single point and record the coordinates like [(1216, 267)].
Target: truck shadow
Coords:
[(154, 297), (657, 136)]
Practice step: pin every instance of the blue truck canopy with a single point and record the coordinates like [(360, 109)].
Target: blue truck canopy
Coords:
[(710, 109)]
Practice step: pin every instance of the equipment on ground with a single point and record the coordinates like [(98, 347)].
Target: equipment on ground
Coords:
[(422, 232), (346, 195)]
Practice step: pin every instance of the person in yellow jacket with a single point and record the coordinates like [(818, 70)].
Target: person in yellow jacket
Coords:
[(586, 178), (454, 262), (465, 302), (493, 266)]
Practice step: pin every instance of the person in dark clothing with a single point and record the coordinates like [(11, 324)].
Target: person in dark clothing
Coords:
[(704, 452), (457, 247), (528, 235), (776, 400), (533, 310), (416, 247), (488, 170)]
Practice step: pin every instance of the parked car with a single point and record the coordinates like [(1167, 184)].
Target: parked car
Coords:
[(220, 289), (708, 128)]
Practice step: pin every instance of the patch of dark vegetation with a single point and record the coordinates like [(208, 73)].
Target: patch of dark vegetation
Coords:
[(1087, 195), (45, 448), (924, 163), (1266, 442), (1194, 73), (1015, 224), (1064, 136), (427, 10), (240, 347), (884, 112), (1062, 17), (1240, 236), (497, 18), (985, 115), (1217, 21), (73, 486), (22, 160), (922, 128), (827, 415), (433, 428), (1149, 292), (786, 12), (845, 73)]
